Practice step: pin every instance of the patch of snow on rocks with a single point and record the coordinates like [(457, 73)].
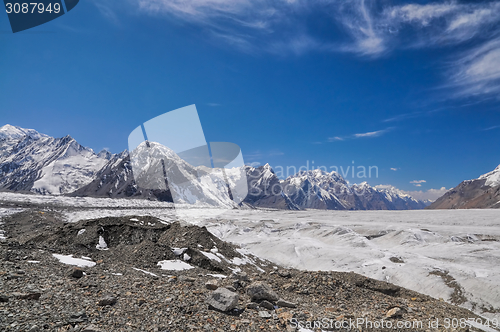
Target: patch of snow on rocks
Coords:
[(174, 265), (211, 256), (70, 260), (102, 245)]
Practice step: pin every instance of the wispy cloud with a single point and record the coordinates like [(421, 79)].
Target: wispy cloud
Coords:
[(394, 169), (367, 28), (107, 10), (376, 29), (477, 72), (372, 26), (418, 183), (358, 20), (491, 128), (370, 134)]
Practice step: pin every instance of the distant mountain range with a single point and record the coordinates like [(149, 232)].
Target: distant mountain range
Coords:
[(480, 193), (37, 163)]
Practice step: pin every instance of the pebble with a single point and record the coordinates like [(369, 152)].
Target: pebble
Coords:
[(264, 314), (75, 272), (252, 305), (212, 285), (107, 300), (267, 305), (394, 312), (285, 304)]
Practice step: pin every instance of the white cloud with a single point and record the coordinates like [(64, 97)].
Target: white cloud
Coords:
[(394, 169), (371, 28), (491, 128), (371, 134), (357, 18), (417, 183), (431, 194), (477, 72)]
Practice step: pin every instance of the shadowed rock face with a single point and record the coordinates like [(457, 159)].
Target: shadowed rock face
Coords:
[(116, 180), (265, 190), (470, 194)]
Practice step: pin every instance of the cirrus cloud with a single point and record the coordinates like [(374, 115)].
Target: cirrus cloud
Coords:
[(367, 28)]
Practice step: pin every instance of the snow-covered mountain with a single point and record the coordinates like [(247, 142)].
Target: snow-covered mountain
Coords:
[(265, 190), (480, 193), (317, 189), (9, 132), (157, 167), (30, 161), (400, 200), (116, 180)]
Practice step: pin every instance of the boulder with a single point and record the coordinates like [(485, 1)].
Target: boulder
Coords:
[(223, 299), (261, 291)]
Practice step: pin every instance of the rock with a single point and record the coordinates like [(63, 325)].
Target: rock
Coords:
[(252, 305), (77, 317), (396, 260), (231, 288), (264, 314), (285, 304), (186, 279), (237, 284), (141, 301), (394, 312), (284, 274), (27, 296), (212, 284), (261, 291), (75, 272), (267, 305), (34, 328), (4, 298), (241, 276), (223, 299), (91, 328), (107, 300)]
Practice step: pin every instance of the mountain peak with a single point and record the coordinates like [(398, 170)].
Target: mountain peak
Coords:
[(104, 154), (492, 178), (14, 132)]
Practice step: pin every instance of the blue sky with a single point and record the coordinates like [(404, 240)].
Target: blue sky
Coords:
[(410, 87)]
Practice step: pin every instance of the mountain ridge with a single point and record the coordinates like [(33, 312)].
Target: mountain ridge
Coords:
[(480, 193), (38, 163)]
